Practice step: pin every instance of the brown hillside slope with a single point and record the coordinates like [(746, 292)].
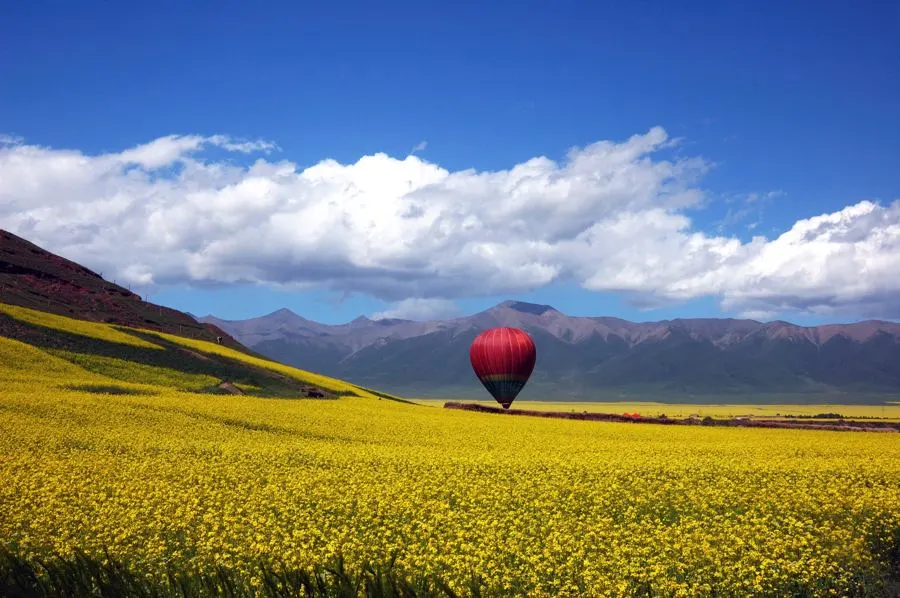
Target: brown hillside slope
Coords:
[(35, 278)]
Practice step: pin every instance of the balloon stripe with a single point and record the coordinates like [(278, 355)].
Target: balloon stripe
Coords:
[(488, 342), (502, 351), (497, 351), (517, 353)]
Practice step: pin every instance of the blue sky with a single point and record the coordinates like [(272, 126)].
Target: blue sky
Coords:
[(799, 98)]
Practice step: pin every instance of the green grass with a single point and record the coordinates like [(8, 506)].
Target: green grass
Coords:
[(333, 385), (150, 360), (132, 371), (89, 352), (384, 395), (21, 360), (80, 575), (107, 389), (92, 330)]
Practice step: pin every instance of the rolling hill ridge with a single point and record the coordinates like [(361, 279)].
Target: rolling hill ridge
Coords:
[(37, 279), (65, 325)]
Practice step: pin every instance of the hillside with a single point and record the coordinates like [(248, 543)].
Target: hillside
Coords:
[(67, 353), (65, 324), (35, 278), (597, 357)]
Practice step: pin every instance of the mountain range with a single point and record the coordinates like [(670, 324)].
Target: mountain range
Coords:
[(579, 358), (583, 358)]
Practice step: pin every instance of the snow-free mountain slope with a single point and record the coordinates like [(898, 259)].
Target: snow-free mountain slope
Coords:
[(579, 357)]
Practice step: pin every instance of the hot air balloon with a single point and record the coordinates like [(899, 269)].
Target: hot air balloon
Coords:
[(503, 359)]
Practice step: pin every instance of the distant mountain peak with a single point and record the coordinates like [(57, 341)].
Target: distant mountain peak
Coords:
[(390, 321), (283, 315), (589, 356), (526, 308)]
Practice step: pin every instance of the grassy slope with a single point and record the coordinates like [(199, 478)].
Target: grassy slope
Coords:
[(21, 361), (103, 332), (302, 375), (89, 352)]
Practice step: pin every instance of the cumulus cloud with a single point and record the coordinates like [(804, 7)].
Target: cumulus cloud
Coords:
[(612, 216), (420, 309)]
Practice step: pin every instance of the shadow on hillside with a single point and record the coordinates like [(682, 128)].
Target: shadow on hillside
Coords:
[(243, 424), (170, 356), (107, 389)]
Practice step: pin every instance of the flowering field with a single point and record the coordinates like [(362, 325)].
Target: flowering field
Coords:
[(886, 412), (168, 480)]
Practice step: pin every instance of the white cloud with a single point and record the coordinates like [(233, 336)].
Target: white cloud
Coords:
[(420, 310), (613, 216), (420, 147), (7, 139), (244, 147)]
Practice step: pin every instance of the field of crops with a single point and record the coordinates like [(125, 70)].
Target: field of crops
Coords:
[(889, 412), (165, 480)]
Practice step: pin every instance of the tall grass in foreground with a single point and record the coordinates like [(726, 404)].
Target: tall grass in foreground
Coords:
[(80, 575)]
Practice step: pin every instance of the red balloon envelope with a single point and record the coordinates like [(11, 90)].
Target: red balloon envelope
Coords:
[(503, 359)]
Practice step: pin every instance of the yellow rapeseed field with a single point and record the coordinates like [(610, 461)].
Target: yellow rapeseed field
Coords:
[(544, 507), (310, 377), (890, 412), (81, 327)]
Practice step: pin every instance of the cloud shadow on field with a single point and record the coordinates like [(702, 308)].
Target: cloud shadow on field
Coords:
[(170, 356)]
